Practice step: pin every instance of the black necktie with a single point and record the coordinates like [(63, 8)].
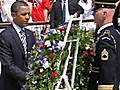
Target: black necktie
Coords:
[(64, 11), (23, 40)]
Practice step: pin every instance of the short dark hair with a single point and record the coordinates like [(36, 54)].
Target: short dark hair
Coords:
[(17, 4)]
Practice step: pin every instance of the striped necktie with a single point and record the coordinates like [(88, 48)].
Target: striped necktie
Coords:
[(23, 40)]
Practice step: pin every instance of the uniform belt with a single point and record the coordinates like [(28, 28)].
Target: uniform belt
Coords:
[(105, 87)]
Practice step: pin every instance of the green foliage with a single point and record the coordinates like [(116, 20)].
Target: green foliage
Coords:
[(43, 69), (47, 54), (84, 56)]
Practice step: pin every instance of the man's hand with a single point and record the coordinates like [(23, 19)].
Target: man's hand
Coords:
[(75, 15)]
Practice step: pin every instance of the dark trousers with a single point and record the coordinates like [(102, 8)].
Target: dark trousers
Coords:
[(92, 84)]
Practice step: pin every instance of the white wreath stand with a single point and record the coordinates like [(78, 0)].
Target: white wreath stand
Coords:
[(64, 76)]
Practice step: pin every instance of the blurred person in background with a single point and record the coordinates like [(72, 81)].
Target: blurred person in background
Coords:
[(10, 2), (88, 6), (62, 10), (40, 13), (5, 13), (116, 18), (40, 9)]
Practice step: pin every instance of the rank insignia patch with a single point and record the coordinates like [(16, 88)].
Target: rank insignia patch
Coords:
[(104, 55)]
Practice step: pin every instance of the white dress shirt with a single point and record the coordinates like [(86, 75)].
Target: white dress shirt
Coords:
[(88, 13)]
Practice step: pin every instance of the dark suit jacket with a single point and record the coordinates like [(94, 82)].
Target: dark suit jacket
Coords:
[(56, 16), (13, 59)]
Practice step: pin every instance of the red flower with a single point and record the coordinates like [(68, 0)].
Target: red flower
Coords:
[(39, 73), (52, 56), (62, 29), (86, 54), (42, 46), (54, 74)]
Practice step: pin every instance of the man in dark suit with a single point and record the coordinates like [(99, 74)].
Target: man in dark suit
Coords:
[(105, 74), (56, 14), (13, 55), (116, 18)]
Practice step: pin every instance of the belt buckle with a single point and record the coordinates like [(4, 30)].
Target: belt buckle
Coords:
[(105, 87)]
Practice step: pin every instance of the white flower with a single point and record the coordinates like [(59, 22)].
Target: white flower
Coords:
[(61, 43), (50, 49), (45, 59), (54, 42), (37, 62), (34, 82), (46, 65), (33, 46), (47, 43), (41, 70), (39, 50), (58, 31), (87, 47)]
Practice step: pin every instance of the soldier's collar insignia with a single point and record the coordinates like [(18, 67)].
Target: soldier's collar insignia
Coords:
[(104, 55), (103, 27), (106, 32)]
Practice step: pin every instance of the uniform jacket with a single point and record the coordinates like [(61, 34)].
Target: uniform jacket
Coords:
[(56, 15), (13, 59), (105, 68), (108, 54)]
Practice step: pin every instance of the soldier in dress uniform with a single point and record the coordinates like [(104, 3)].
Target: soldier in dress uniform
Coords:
[(105, 73)]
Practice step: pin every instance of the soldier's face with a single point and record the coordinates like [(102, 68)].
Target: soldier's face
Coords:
[(98, 16)]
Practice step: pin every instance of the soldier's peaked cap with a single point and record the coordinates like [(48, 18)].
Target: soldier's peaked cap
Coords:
[(105, 3)]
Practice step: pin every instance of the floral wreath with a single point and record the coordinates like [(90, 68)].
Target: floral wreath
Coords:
[(44, 71)]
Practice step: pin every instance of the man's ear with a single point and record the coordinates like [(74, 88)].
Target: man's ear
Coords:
[(104, 14), (13, 15)]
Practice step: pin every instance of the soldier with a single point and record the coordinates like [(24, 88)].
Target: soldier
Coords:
[(105, 73)]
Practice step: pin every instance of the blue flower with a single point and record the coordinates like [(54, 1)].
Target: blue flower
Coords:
[(42, 60), (31, 58)]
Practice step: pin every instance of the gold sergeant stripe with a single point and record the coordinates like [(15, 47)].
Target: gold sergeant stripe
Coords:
[(94, 71), (105, 87), (95, 68)]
